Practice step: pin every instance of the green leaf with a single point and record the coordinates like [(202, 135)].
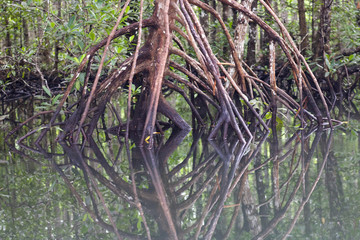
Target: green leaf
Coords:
[(131, 38), (82, 57), (118, 49), (139, 223), (55, 99), (85, 217), (71, 21), (47, 90), (127, 9), (92, 36), (52, 24), (132, 146), (76, 60), (268, 115), (328, 63), (77, 85)]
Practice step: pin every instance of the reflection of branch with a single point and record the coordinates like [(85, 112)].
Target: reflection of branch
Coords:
[(153, 168), (281, 213), (94, 216), (119, 183), (306, 199), (226, 181), (249, 159), (185, 161), (199, 222), (191, 199)]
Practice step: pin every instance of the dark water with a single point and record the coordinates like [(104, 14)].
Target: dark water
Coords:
[(295, 184)]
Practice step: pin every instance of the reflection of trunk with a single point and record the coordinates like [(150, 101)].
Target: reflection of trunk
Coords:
[(335, 196), (274, 154), (307, 210), (334, 187), (261, 187), (251, 219), (167, 220), (359, 159), (12, 198)]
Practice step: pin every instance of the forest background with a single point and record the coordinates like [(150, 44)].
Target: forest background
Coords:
[(43, 42)]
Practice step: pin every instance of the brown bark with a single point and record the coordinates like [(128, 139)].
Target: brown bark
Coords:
[(57, 47), (302, 25), (25, 32), (251, 47), (204, 20), (159, 41), (7, 37), (241, 28)]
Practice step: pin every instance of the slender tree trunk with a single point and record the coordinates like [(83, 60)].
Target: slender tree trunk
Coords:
[(213, 29), (302, 25), (335, 194), (307, 209), (57, 47), (261, 188), (7, 37), (45, 47), (204, 20), (226, 17), (25, 32), (251, 46), (249, 210), (242, 23)]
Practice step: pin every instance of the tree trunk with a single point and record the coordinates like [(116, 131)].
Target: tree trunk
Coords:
[(302, 25), (159, 43), (226, 17), (57, 47), (7, 37), (241, 29), (213, 29), (251, 46), (204, 20), (25, 32)]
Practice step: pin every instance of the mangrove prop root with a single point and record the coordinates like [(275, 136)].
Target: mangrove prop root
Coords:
[(200, 73)]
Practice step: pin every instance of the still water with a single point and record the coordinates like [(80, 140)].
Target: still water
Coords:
[(291, 183)]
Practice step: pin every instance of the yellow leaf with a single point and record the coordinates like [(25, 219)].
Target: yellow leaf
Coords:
[(147, 139), (323, 220)]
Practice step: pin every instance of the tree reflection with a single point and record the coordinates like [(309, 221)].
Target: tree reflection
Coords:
[(183, 189)]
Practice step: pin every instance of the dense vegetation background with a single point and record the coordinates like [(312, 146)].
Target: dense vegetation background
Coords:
[(42, 42)]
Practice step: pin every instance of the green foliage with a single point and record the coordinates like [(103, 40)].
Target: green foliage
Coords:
[(72, 32)]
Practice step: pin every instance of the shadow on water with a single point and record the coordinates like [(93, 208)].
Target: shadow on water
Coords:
[(184, 188)]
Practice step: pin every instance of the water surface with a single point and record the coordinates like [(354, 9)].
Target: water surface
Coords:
[(299, 184)]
